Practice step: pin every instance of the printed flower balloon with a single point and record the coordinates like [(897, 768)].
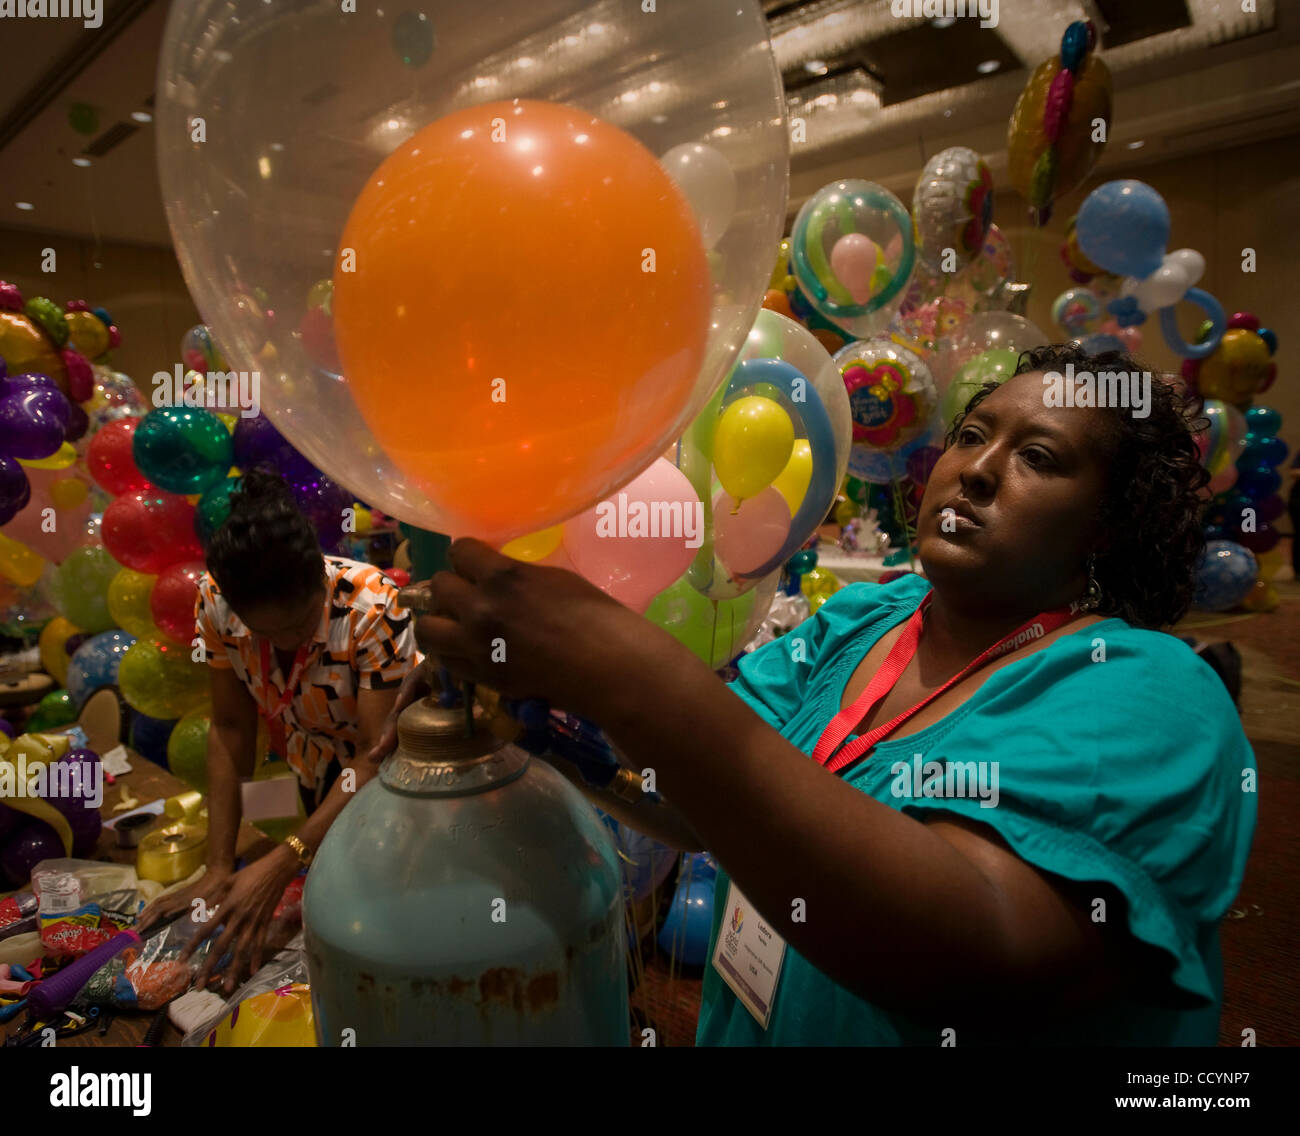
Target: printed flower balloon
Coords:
[(891, 392)]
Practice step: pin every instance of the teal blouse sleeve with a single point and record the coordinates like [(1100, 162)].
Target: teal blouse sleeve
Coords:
[(1120, 758)]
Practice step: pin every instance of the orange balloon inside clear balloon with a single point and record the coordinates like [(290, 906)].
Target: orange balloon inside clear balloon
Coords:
[(528, 313)]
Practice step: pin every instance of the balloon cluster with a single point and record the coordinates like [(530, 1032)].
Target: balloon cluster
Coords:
[(1081, 314), (1123, 226), (1053, 137), (1240, 448), (55, 823)]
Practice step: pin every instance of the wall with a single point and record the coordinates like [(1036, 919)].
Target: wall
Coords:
[(141, 288)]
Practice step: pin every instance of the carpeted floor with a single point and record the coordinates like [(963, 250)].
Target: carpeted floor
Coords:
[(1261, 946)]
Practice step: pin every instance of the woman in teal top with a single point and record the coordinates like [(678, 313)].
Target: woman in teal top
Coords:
[(1040, 853)]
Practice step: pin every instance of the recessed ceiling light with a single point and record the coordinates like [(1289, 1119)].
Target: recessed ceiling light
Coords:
[(25, 206), (142, 116), (988, 66), (82, 162), (942, 22), (277, 146), (1136, 145), (816, 67)]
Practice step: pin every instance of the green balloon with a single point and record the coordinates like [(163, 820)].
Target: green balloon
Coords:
[(213, 508), (713, 630), (187, 748), (183, 449), (80, 589), (54, 710), (996, 365)]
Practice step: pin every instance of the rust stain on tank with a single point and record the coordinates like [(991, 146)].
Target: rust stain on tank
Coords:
[(501, 984), (543, 992)]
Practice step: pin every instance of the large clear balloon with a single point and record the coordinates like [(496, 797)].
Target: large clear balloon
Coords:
[(530, 317), (852, 252), (988, 331), (892, 396)]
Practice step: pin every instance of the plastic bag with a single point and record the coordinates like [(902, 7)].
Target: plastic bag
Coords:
[(273, 1008), (150, 976), (83, 903)]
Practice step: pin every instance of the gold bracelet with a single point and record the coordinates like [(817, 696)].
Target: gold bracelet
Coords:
[(304, 853)]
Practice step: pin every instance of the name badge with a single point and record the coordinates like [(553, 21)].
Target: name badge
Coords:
[(748, 955)]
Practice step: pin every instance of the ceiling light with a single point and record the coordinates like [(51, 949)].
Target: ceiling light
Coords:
[(82, 162), (816, 67), (988, 67), (277, 146), (942, 22), (142, 116), (25, 206), (1136, 145)]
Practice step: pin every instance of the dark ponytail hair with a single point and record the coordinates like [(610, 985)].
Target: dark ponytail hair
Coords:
[(266, 551)]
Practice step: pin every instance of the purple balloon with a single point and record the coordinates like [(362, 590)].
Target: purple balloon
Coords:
[(28, 846), (33, 420), (9, 820), (15, 489), (921, 463), (1270, 508), (84, 820), (80, 808), (322, 502), (78, 424), (7, 728)]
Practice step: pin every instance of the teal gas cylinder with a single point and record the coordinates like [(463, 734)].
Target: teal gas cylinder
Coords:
[(469, 895)]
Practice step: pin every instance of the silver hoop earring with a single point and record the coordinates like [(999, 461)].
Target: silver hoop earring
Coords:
[(1092, 598)]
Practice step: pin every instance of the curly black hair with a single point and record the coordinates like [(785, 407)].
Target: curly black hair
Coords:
[(1152, 509), (265, 551)]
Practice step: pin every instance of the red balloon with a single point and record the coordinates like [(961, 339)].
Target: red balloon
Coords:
[(149, 530), (110, 460), (400, 576), (173, 597)]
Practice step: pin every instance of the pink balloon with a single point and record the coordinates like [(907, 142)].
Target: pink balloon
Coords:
[(853, 260), (69, 525), (635, 543), (745, 540)]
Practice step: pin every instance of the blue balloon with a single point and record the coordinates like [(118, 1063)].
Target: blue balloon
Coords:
[(646, 863), (1269, 336), (1123, 227), (1262, 451), (1225, 574), (1263, 421), (1074, 45), (1215, 532), (1259, 483), (149, 737), (685, 933), (95, 663), (1099, 341)]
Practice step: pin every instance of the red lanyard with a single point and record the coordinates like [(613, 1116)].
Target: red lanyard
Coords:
[(899, 656), (272, 713)]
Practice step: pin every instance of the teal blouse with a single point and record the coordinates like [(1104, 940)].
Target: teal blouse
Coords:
[(1120, 758)]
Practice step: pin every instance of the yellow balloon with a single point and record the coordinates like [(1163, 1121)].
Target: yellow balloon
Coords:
[(63, 457), (161, 680), (1269, 562), (793, 481), (230, 420), (68, 492), (128, 603), (534, 546), (18, 563), (751, 445), (363, 519), (87, 333), (53, 647)]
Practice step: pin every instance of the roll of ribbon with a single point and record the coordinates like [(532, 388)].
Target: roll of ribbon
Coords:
[(172, 853)]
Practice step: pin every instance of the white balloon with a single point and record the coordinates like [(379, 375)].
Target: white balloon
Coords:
[(1190, 262), (708, 182), (1162, 289)]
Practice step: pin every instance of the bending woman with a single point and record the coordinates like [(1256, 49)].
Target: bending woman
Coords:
[(1055, 868), (319, 647)]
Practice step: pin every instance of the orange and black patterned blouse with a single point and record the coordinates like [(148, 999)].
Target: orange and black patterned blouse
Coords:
[(364, 641)]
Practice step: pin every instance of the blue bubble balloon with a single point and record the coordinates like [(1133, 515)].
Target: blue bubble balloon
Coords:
[(95, 663), (1262, 451), (1258, 483), (1263, 421), (1074, 45), (1123, 227), (1225, 574), (1269, 336)]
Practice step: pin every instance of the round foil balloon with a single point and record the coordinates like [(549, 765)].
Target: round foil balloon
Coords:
[(892, 396), (522, 304), (952, 207), (852, 253)]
